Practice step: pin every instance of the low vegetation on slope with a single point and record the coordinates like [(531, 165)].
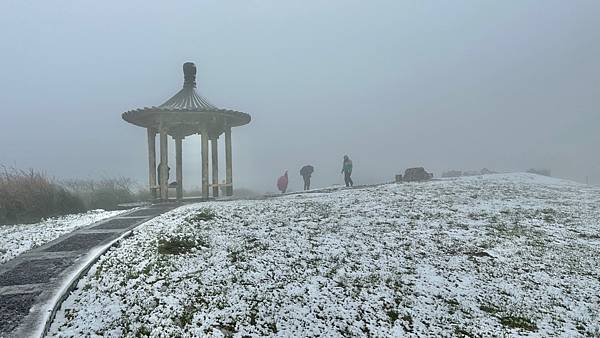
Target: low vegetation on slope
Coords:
[(28, 196), (481, 256)]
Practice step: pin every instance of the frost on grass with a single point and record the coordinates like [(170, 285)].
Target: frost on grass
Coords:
[(16, 239), (503, 255)]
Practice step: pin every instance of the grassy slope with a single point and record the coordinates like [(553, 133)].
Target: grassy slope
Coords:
[(504, 254)]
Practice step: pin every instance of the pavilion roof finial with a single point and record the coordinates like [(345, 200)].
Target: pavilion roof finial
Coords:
[(189, 75)]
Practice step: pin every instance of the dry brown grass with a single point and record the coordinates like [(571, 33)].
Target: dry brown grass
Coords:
[(104, 193), (28, 196)]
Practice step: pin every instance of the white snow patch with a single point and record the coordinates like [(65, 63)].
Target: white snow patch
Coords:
[(16, 239)]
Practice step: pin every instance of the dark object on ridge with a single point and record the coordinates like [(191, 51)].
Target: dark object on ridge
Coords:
[(417, 174), (306, 172), (452, 173), (486, 171), (543, 172)]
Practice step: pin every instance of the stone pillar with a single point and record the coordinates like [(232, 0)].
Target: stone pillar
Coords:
[(164, 165), (228, 162), (215, 165), (179, 168), (204, 134), (152, 161)]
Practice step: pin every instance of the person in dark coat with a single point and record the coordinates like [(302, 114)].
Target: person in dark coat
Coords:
[(347, 171), (306, 172), (282, 182)]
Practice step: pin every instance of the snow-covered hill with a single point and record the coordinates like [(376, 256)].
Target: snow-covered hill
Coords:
[(513, 254)]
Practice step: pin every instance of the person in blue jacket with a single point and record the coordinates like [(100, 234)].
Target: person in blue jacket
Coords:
[(347, 171)]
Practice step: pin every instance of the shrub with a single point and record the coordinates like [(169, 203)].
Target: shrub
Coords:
[(27, 196), (178, 245), (518, 322), (203, 215), (543, 172), (106, 193)]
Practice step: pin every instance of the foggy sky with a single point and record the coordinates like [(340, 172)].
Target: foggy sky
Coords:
[(506, 85)]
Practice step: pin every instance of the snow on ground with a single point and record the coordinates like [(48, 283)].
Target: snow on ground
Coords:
[(499, 255), (16, 239)]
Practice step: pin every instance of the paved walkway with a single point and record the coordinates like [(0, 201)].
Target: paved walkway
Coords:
[(31, 282)]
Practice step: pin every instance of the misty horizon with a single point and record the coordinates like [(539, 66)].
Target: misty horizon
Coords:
[(451, 86)]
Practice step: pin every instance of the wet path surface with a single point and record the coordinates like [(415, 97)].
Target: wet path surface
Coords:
[(30, 283)]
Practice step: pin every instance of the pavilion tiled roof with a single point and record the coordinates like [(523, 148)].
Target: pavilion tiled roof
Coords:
[(187, 99)]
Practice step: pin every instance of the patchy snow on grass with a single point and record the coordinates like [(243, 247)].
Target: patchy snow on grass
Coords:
[(497, 255), (16, 239)]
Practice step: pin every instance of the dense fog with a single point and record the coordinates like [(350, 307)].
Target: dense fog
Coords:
[(393, 84)]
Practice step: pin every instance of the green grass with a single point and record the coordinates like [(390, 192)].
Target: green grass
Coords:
[(589, 236), (488, 308), (186, 317), (452, 302), (202, 215), (143, 331), (463, 333), (408, 323), (178, 245), (548, 218), (518, 322), (393, 315), (234, 255)]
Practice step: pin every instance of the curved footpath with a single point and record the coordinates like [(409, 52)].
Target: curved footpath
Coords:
[(33, 283)]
